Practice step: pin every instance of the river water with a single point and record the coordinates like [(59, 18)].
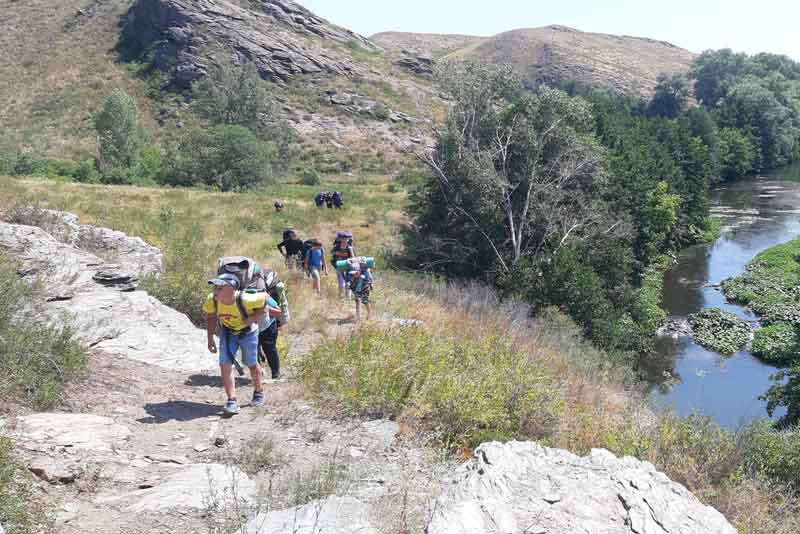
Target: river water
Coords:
[(758, 213)]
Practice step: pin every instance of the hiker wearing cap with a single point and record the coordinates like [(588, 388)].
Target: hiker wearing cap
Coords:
[(235, 316), (315, 263)]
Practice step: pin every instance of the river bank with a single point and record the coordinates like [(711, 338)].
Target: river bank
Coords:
[(756, 213)]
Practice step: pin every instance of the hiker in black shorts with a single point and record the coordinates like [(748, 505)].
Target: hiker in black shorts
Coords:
[(291, 248)]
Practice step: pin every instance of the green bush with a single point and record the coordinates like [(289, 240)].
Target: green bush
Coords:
[(15, 504), (771, 453), (119, 131), (36, 359), (776, 343), (468, 391), (229, 158), (310, 176)]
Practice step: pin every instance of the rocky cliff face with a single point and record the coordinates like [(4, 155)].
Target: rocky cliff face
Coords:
[(281, 37)]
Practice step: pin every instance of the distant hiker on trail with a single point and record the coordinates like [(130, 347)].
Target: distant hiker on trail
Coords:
[(235, 315), (361, 284), (343, 249), (337, 199), (319, 198), (315, 262), (329, 200), (278, 206), (291, 248)]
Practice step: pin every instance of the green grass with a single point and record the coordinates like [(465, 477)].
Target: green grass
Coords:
[(16, 508)]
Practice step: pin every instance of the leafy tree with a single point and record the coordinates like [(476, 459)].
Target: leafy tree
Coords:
[(119, 131), (232, 94), (226, 157), (715, 72), (737, 154), (786, 393), (512, 174), (671, 96)]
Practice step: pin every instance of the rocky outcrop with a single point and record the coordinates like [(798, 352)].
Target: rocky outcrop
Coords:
[(108, 317), (420, 64), (193, 487), (76, 431), (334, 515), (281, 37), (524, 487)]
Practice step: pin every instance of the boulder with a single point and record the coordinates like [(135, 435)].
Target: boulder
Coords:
[(334, 515), (195, 487), (78, 431), (98, 300), (524, 487)]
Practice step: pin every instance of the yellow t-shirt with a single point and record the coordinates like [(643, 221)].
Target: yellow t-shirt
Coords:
[(229, 314)]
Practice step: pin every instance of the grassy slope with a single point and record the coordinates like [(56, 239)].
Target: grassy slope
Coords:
[(57, 67)]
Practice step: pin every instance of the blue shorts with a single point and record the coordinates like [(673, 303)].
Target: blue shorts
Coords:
[(229, 343)]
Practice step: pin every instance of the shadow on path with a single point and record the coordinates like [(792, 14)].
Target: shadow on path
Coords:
[(213, 381), (163, 412)]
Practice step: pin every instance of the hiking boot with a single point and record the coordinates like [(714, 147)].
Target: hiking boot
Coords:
[(231, 407), (276, 375), (258, 398)]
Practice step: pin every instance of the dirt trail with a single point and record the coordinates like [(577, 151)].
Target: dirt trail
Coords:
[(293, 452)]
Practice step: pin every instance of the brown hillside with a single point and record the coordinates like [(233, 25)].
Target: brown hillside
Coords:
[(557, 54), (433, 44)]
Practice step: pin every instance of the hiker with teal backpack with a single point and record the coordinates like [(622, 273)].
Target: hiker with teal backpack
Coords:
[(343, 249), (361, 285), (235, 316)]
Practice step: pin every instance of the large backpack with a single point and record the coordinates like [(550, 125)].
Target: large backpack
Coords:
[(288, 233), (247, 270), (319, 199), (337, 199)]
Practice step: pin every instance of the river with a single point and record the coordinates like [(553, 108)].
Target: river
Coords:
[(758, 213)]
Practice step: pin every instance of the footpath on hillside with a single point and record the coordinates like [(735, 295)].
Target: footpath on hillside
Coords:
[(140, 445)]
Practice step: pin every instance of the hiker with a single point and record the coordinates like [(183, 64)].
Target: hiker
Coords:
[(291, 248), (343, 249), (278, 206), (268, 337), (361, 285), (319, 198), (315, 262), (337, 199), (235, 316)]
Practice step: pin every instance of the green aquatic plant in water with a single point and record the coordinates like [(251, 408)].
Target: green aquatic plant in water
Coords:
[(719, 331)]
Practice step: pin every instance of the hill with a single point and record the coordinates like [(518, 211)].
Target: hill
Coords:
[(559, 55), (434, 44), (357, 104)]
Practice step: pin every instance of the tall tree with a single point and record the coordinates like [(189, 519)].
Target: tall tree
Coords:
[(119, 131)]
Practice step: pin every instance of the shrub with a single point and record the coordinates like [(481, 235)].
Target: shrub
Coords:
[(119, 131), (14, 495), (310, 176), (232, 94), (229, 158), (771, 453), (37, 359), (468, 391)]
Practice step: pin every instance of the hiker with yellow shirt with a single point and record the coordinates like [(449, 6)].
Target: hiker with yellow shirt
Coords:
[(236, 317)]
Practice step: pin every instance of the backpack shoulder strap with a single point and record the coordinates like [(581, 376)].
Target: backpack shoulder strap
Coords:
[(240, 305)]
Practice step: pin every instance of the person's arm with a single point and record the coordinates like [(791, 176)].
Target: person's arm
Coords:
[(281, 247), (324, 263), (211, 327), (352, 250)]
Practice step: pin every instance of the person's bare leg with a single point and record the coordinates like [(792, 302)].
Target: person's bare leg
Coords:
[(358, 310), (255, 375), (225, 370), (366, 307)]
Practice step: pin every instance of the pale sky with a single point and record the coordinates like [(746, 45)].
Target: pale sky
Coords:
[(748, 26)]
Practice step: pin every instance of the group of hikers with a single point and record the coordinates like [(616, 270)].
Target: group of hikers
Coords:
[(331, 199), (248, 305)]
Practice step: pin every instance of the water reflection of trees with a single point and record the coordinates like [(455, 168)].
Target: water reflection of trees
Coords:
[(683, 284), (659, 367)]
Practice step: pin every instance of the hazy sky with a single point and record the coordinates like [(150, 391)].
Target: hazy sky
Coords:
[(749, 26)]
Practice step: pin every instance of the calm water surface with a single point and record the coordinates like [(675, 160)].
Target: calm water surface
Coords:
[(758, 213)]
